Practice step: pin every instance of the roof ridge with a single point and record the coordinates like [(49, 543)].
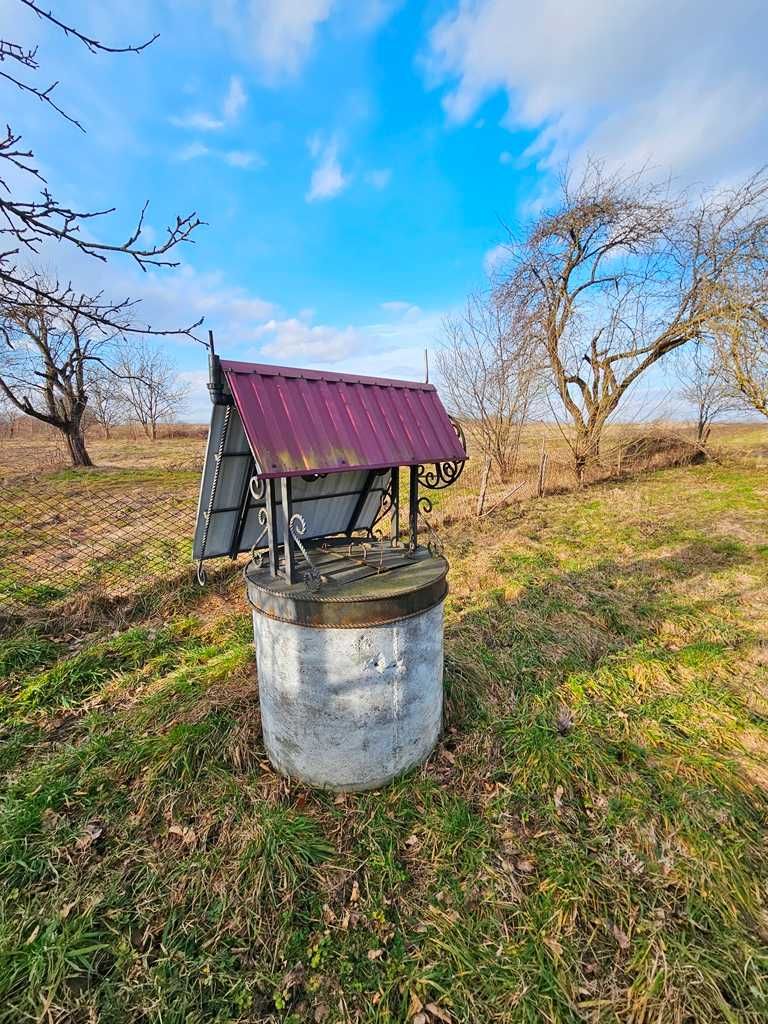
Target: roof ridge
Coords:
[(296, 372)]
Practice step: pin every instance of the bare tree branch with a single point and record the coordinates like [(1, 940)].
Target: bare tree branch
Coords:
[(27, 222)]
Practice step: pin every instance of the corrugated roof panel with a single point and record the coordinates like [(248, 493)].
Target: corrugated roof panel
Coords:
[(310, 421)]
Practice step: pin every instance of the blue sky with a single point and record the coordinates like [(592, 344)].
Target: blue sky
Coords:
[(355, 159)]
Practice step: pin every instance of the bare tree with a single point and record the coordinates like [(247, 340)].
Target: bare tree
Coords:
[(489, 378), (28, 221), (742, 342), (705, 387), (619, 275), (47, 356), (9, 417), (149, 385), (106, 405)]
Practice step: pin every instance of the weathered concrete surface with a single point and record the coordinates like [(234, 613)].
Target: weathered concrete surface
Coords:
[(350, 709)]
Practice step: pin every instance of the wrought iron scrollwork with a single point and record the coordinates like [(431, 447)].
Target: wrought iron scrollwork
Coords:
[(257, 555), (434, 544), (442, 474), (384, 509), (258, 489), (298, 527)]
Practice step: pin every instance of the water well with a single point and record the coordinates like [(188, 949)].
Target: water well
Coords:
[(301, 468)]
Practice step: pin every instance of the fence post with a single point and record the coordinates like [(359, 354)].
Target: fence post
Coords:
[(543, 458), (483, 487)]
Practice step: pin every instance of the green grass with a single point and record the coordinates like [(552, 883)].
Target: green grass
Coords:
[(587, 843)]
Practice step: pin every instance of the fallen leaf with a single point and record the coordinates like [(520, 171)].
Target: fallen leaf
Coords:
[(374, 954), (354, 896), (33, 936), (621, 937), (340, 799), (559, 798), (294, 977), (187, 835), (554, 945), (321, 1012), (66, 910), (420, 1018), (436, 1011), (415, 1006), (412, 841), (526, 865), (89, 835)]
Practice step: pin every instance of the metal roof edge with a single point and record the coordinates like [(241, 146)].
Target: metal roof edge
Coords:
[(234, 366), (352, 469)]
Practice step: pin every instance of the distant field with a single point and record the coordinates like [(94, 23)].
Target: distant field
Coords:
[(587, 843), (118, 529), (41, 453)]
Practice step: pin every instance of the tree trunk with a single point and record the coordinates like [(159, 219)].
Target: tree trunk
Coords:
[(586, 452), (76, 444), (154, 431)]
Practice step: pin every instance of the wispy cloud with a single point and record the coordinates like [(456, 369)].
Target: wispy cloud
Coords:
[(630, 83), (279, 35), (379, 178), (243, 158), (235, 100), (193, 151), (328, 179), (232, 106), (197, 120), (494, 257), (294, 339), (240, 158)]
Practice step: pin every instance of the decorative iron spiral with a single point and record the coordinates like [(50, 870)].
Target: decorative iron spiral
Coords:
[(258, 489), (443, 474)]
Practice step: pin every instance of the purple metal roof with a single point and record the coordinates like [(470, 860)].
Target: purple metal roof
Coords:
[(311, 421)]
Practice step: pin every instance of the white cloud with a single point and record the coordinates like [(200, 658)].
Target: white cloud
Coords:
[(293, 339), (380, 178), (243, 158), (494, 257), (405, 311), (682, 86), (278, 33), (198, 121), (328, 179), (232, 106), (240, 158), (192, 151), (235, 100)]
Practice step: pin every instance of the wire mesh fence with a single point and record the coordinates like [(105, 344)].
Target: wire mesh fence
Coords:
[(68, 536), (63, 541)]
